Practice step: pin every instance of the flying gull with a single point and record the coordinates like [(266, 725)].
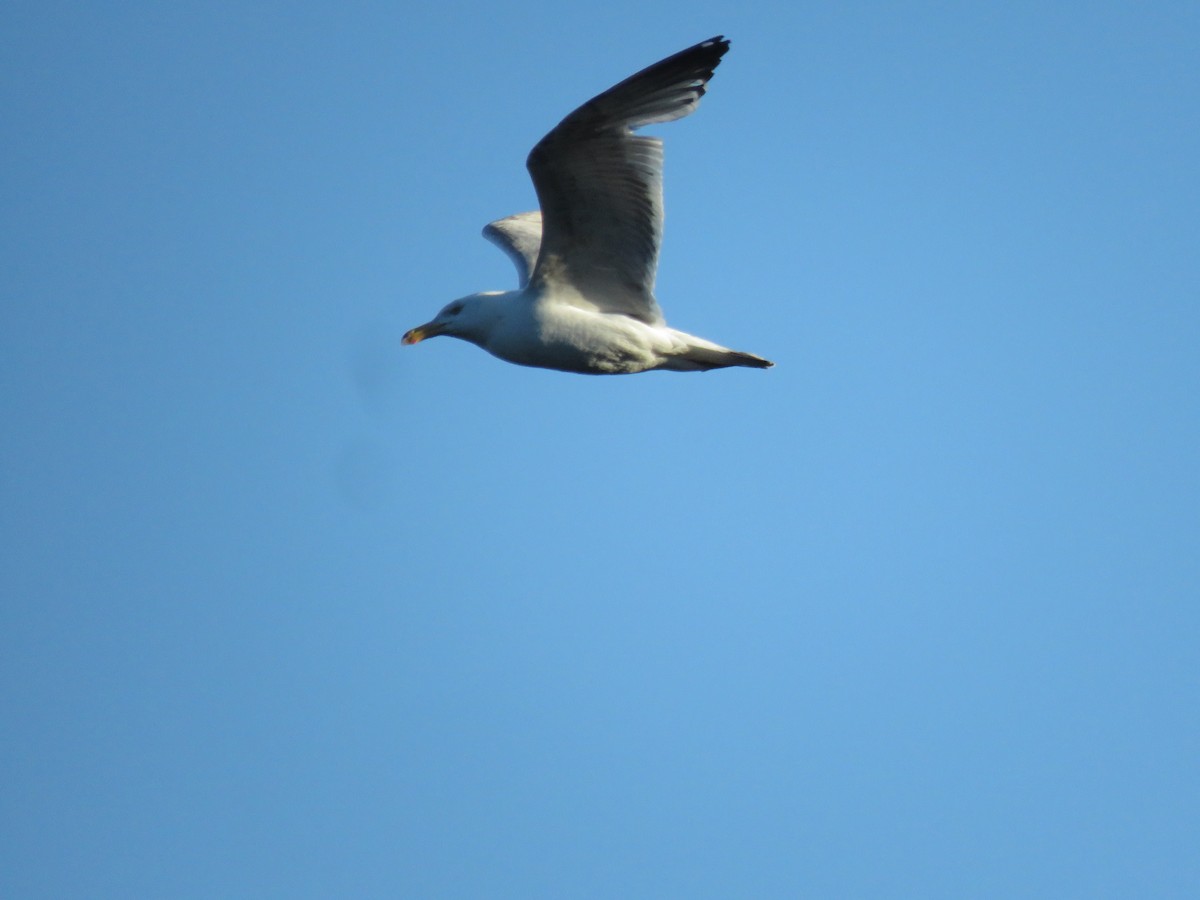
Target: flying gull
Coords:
[(587, 260)]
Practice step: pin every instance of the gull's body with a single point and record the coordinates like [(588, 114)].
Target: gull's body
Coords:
[(587, 260)]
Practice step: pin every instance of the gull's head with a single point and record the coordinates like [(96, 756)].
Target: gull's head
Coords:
[(469, 318)]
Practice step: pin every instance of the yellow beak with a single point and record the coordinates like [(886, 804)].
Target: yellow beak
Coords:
[(418, 334)]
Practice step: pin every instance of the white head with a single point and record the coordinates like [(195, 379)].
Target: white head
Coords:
[(469, 318)]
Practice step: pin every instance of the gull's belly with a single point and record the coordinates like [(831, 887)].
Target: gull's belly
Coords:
[(574, 340)]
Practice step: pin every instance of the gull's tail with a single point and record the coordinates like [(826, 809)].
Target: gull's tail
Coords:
[(698, 358)]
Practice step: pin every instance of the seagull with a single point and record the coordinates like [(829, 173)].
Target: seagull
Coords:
[(586, 261)]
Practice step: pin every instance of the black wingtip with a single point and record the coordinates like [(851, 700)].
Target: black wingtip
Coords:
[(716, 47)]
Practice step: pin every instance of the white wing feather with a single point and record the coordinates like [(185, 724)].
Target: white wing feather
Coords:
[(520, 236)]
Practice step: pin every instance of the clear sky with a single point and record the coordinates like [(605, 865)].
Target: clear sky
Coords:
[(287, 609)]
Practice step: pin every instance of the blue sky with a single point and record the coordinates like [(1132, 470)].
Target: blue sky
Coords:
[(290, 610)]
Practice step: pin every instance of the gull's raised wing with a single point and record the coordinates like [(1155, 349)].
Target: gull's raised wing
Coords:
[(600, 186), (520, 236)]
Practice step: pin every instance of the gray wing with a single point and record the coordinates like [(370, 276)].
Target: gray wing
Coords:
[(600, 186), (519, 236)]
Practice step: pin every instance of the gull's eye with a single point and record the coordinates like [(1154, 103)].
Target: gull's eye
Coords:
[(454, 309)]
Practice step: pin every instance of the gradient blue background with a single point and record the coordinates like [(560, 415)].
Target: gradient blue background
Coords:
[(290, 610)]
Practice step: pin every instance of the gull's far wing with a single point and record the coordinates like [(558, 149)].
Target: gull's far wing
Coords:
[(600, 186), (520, 236)]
